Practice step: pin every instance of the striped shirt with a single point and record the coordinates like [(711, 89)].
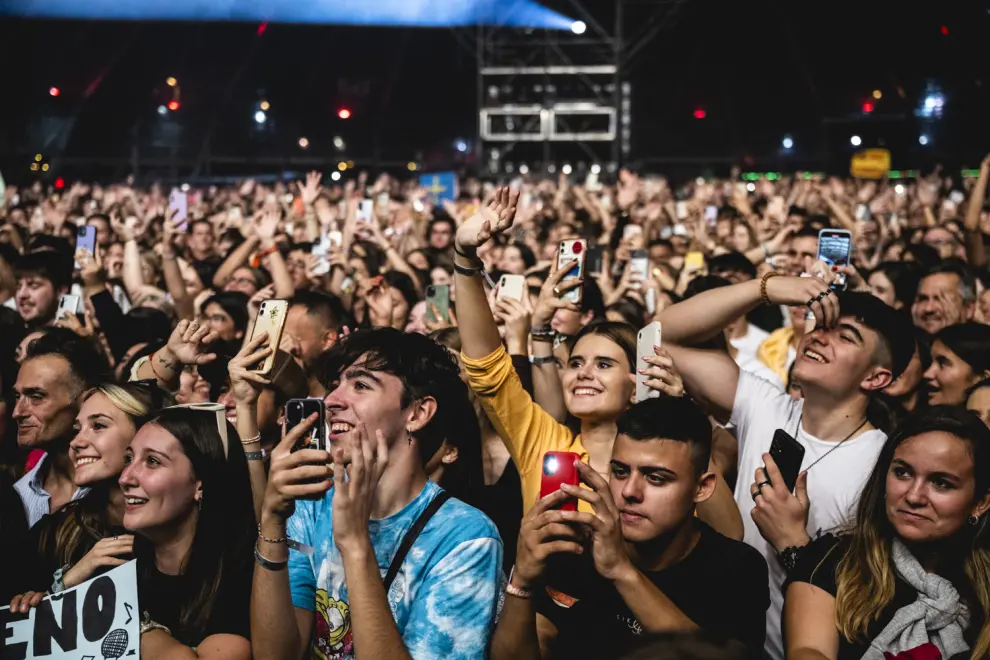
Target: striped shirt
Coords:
[(37, 501)]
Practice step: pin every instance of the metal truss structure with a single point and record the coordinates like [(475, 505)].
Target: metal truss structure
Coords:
[(548, 98)]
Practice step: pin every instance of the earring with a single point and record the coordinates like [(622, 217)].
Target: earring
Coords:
[(973, 520), (199, 504)]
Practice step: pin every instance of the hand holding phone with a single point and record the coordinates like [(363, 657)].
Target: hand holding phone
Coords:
[(271, 319), (647, 338), (572, 250), (298, 410), (788, 454)]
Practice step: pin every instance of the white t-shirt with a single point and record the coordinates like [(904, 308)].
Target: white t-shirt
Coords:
[(834, 484), (748, 344)]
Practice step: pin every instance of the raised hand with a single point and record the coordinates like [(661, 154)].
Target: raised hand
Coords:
[(495, 218), (380, 305), (267, 225), (544, 532), (355, 495), (813, 292), (295, 475), (189, 343), (781, 516), (662, 375), (550, 296), (311, 190), (254, 304), (607, 546), (246, 385)]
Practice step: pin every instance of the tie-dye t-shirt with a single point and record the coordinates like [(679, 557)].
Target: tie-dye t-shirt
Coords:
[(444, 597)]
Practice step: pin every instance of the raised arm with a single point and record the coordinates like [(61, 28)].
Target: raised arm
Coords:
[(975, 250)]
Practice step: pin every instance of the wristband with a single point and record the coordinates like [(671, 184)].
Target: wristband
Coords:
[(469, 257), (259, 455), (788, 557), (516, 591), (763, 286), (464, 270), (267, 563), (539, 361)]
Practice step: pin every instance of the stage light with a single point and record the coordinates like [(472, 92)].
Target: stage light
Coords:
[(578, 27), (335, 176), (867, 107), (344, 113), (932, 105), (54, 91), (411, 166), (787, 142), (260, 117), (264, 105), (524, 169), (751, 187), (162, 110), (877, 94), (338, 142), (342, 166), (303, 143), (899, 189), (596, 169), (184, 187), (171, 82), (855, 141), (944, 30), (551, 168), (44, 167), (59, 183), (567, 169), (461, 146), (34, 167), (37, 158), (922, 139), (173, 105), (700, 114)]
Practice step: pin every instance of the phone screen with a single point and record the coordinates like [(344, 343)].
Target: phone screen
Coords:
[(833, 247)]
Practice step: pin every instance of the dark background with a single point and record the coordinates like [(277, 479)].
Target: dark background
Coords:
[(760, 70)]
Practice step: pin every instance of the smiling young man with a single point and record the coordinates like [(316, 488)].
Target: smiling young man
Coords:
[(858, 348), (41, 278), (393, 398), (588, 585)]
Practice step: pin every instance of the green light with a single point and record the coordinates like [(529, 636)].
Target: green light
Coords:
[(970, 174), (894, 174)]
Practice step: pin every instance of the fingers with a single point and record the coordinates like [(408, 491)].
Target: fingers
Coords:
[(253, 345), (24, 602), (290, 439), (552, 500), (801, 488), (559, 274), (772, 471)]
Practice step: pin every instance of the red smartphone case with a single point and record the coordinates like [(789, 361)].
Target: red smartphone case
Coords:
[(558, 468)]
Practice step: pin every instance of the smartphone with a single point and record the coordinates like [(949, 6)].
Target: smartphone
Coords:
[(271, 319), (558, 469), (639, 262), (572, 249), (646, 339), (512, 286), (439, 295), (711, 214), (366, 210), (67, 304), (681, 210), (834, 246), (595, 260), (86, 240), (336, 239), (178, 202), (630, 231), (296, 411), (956, 197), (694, 261), (862, 212), (321, 250), (788, 454)]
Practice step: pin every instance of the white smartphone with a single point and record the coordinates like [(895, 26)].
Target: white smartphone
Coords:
[(178, 201), (366, 210), (711, 214), (646, 339), (639, 263), (67, 304), (321, 250), (572, 250), (512, 286), (681, 209), (86, 240)]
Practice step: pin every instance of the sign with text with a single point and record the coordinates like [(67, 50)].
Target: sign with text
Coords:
[(98, 620), (870, 164)]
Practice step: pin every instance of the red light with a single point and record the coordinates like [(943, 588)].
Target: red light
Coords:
[(54, 91), (867, 107), (700, 114), (173, 105), (945, 30), (344, 113), (60, 183), (261, 28)]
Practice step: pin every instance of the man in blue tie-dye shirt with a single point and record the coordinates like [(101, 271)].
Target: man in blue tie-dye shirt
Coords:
[(393, 400)]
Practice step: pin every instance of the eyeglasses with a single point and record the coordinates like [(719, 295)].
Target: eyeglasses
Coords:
[(221, 416)]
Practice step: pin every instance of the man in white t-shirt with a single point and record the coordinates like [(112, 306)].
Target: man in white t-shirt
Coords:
[(854, 351)]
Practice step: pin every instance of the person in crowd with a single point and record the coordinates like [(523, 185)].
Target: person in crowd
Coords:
[(895, 283), (946, 296), (855, 350), (312, 325), (41, 278), (978, 400), (393, 400), (647, 563), (909, 572), (48, 393), (226, 314), (960, 360)]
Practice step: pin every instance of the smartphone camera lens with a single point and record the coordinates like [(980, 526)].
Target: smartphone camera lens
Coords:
[(550, 465), (430, 291), (81, 231)]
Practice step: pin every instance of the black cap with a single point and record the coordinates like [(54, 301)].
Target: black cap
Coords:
[(885, 321)]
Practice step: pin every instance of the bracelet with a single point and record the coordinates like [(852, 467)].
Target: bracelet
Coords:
[(466, 256), (58, 584), (256, 455), (539, 361), (516, 591), (147, 625), (267, 540), (267, 563), (543, 331), (253, 439), (763, 286), (464, 270)]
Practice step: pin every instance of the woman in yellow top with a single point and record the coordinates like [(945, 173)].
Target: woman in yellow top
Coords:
[(598, 379)]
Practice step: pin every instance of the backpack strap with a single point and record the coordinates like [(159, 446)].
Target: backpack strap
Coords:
[(410, 538)]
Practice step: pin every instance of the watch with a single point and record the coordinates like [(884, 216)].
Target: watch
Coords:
[(788, 557)]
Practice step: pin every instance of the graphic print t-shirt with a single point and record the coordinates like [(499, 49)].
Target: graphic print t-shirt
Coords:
[(444, 598)]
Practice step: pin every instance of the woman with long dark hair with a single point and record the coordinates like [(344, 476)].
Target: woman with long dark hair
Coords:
[(914, 567), (960, 360)]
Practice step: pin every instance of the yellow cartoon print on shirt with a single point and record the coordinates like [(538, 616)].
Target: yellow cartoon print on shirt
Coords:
[(333, 628)]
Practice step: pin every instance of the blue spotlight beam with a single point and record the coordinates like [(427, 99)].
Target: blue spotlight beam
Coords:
[(408, 13)]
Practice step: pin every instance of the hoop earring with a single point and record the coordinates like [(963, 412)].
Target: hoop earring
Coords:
[(973, 520)]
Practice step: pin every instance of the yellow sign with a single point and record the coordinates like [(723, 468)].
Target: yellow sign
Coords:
[(870, 164)]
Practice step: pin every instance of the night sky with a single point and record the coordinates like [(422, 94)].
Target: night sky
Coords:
[(759, 70)]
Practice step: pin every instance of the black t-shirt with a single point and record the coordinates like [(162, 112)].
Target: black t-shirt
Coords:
[(162, 596), (722, 585), (503, 504), (817, 566)]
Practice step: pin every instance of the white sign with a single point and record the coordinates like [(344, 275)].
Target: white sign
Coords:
[(98, 620)]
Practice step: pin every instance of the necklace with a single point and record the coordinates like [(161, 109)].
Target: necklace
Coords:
[(818, 460)]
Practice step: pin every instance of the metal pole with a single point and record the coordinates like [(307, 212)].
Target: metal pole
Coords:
[(618, 45)]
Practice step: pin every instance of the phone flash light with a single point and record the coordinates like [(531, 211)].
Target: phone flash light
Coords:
[(551, 466)]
